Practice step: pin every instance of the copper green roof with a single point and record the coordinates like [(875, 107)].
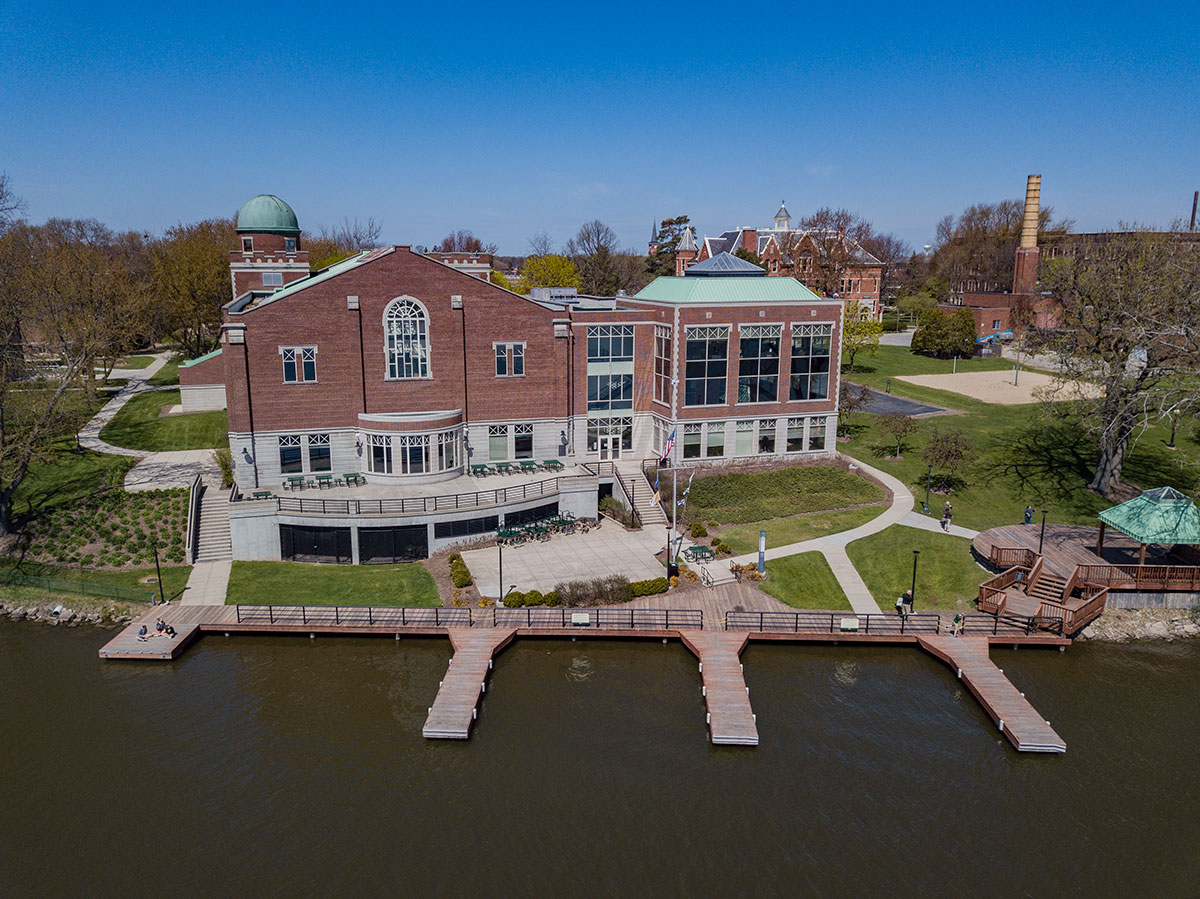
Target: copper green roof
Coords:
[(199, 359), (267, 214), (1163, 515), (727, 290)]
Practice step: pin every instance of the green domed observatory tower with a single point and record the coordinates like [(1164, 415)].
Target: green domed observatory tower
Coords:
[(270, 255)]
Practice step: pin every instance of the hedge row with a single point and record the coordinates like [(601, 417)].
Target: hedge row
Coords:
[(459, 573)]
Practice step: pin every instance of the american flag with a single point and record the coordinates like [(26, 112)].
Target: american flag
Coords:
[(666, 454)]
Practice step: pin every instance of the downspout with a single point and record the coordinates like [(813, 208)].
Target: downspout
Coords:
[(466, 395), (362, 362), (250, 407)]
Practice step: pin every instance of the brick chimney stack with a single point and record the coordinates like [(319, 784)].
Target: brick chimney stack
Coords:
[(1026, 269)]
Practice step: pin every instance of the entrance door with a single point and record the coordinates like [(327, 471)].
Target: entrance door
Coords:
[(610, 448)]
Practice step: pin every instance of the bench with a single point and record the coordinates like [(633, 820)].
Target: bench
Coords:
[(324, 480), (262, 494)]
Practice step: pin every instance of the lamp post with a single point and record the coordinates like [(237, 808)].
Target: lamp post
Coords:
[(1042, 536), (1171, 442), (928, 476), (158, 572), (913, 592), (500, 552)]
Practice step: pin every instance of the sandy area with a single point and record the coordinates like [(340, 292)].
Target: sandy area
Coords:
[(997, 386)]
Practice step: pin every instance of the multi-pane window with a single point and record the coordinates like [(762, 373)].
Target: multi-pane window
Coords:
[(497, 443), (610, 427), (610, 343), (810, 362), (447, 449), (289, 245), (291, 457), (816, 434), (662, 363), (510, 360), (766, 435), (379, 457), (318, 453), (758, 364), (692, 440), (299, 363), (272, 279), (247, 244), (707, 359), (795, 435), (608, 391), (523, 442), (414, 453), (744, 444), (715, 445), (406, 330)]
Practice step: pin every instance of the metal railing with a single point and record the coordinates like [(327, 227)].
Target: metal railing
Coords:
[(417, 505), (355, 616), (58, 585), (833, 623), (634, 517), (705, 577), (193, 520), (598, 618)]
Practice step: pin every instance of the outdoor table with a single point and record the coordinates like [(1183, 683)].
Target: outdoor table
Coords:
[(262, 494), (353, 479), (552, 465), (505, 467), (324, 480), (478, 470), (529, 465), (295, 481)]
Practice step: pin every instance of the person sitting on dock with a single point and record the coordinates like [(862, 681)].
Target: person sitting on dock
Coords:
[(160, 628), (169, 631), (141, 634)]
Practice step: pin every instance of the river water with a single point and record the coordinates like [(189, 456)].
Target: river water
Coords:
[(283, 767)]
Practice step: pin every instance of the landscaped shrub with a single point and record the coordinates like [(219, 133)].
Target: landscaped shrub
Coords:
[(698, 530), (459, 573), (716, 541), (650, 587), (724, 548), (224, 460), (514, 600), (614, 508), (551, 598), (534, 598), (597, 592)]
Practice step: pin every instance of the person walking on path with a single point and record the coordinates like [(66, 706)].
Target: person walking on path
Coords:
[(947, 513), (956, 627), (1029, 514), (908, 599), (900, 602)]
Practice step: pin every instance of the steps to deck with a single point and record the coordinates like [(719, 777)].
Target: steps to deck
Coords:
[(1048, 586), (213, 542), (457, 701), (731, 720), (1017, 719), (650, 512)]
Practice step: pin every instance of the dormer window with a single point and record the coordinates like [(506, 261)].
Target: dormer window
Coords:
[(247, 244), (289, 245)]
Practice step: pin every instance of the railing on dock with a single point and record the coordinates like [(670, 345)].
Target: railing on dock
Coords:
[(832, 623), (351, 616), (599, 618), (1012, 557), (1142, 577)]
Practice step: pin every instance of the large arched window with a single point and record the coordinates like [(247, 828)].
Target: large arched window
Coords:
[(406, 327)]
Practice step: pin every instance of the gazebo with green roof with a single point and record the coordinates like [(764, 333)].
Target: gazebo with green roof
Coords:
[(1163, 515)]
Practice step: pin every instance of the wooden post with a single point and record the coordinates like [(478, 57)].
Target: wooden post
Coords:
[(1100, 542), (1142, 555)]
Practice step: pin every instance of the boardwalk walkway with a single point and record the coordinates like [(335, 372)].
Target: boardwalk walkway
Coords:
[(1007, 706), (457, 699), (731, 721)]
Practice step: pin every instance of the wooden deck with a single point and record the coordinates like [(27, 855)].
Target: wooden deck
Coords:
[(457, 701), (1067, 546), (1017, 719), (731, 721)]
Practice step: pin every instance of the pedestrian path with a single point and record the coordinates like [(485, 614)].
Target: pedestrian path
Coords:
[(208, 584), (929, 523), (138, 382)]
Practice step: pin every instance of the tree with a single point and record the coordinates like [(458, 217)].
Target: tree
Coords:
[(944, 333), (949, 452), (662, 263), (191, 280), (547, 271), (899, 428), (895, 254), (540, 244), (500, 279), (1128, 338), (830, 238), (332, 245), (860, 332), (915, 303), (852, 399), (11, 206), (750, 256), (463, 241)]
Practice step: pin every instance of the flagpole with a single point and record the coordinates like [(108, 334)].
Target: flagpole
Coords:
[(674, 476)]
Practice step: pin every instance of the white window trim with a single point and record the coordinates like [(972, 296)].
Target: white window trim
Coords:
[(510, 356), (428, 347), (298, 361)]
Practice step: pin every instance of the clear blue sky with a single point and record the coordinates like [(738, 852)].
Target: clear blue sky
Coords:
[(433, 117)]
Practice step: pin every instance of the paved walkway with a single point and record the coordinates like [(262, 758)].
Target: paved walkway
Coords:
[(933, 523), (897, 338), (207, 584), (178, 468), (138, 379)]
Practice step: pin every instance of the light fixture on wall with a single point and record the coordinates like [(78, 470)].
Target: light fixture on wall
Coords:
[(246, 455), (358, 445)]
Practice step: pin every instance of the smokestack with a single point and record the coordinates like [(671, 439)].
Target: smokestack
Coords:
[(1195, 200), (1033, 196)]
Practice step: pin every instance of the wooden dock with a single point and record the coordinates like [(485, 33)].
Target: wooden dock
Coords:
[(457, 701), (731, 720), (126, 644), (1017, 719)]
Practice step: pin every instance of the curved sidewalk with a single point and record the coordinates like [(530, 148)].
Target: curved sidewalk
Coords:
[(139, 379)]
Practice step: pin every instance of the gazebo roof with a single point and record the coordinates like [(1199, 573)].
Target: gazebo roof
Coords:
[(1163, 515)]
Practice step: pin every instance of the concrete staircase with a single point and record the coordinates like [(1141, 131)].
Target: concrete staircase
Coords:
[(648, 510), (718, 571), (213, 543)]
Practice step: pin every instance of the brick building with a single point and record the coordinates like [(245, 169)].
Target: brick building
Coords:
[(786, 250), (403, 369)]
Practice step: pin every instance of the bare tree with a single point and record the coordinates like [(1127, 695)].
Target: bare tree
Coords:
[(899, 428), (463, 241), (11, 206), (826, 244), (590, 237), (1128, 338), (895, 254), (353, 234), (540, 244)]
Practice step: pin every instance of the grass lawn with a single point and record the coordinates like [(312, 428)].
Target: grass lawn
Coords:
[(805, 581), (139, 425), (302, 583), (134, 362), (168, 374), (743, 538), (947, 576), (66, 478), (744, 497), (1024, 455), (174, 577)]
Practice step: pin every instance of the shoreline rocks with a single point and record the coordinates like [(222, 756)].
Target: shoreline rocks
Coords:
[(1124, 625), (74, 615)]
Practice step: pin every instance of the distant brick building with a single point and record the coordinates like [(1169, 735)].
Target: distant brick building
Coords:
[(786, 250), (399, 367)]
